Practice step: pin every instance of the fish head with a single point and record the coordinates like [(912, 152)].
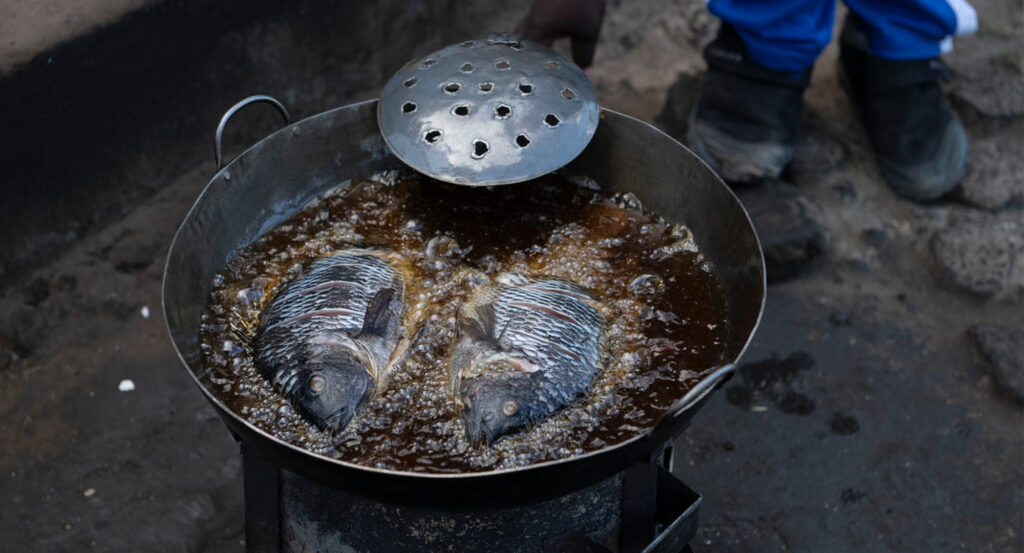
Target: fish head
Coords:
[(494, 407), (333, 386)]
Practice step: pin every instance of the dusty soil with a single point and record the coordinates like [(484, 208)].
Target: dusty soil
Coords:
[(866, 416)]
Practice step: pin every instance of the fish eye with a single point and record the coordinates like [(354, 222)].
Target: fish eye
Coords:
[(509, 408), (317, 383)]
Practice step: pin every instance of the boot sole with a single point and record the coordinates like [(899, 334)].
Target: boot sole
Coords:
[(737, 161)]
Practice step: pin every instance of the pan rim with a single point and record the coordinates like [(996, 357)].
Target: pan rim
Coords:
[(650, 432)]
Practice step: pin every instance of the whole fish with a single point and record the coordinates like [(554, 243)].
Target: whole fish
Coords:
[(327, 339), (527, 348)]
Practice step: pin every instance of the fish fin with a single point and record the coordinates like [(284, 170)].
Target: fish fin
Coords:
[(402, 348), (459, 361), (478, 322), (378, 313), (502, 345)]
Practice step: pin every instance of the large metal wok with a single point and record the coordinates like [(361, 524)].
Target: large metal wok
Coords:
[(278, 175)]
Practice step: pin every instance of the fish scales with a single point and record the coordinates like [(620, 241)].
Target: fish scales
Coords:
[(327, 338), (529, 348), (551, 329), (345, 279)]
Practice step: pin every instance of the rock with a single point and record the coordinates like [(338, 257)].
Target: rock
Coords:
[(994, 173), (701, 23), (787, 224), (997, 95), (1002, 348), (6, 358), (681, 99), (983, 255)]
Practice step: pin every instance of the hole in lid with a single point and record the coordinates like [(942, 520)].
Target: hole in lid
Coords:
[(480, 148), (467, 44), (502, 64), (428, 62), (411, 81), (522, 141), (486, 87), (552, 120), (452, 88), (502, 111), (525, 88), (432, 136), (569, 94), (408, 107), (551, 64), (461, 110), (466, 67)]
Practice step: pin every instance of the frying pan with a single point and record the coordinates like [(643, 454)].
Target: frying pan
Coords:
[(274, 178)]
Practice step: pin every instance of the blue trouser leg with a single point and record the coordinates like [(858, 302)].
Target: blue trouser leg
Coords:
[(913, 29), (781, 34), (790, 34)]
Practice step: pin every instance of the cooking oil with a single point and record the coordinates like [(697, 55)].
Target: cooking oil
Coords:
[(664, 306)]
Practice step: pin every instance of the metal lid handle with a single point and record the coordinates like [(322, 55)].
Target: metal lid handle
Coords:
[(232, 110)]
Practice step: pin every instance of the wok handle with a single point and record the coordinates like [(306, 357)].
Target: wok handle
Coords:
[(699, 391), (217, 152)]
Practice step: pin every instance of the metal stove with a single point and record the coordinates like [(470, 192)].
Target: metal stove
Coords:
[(645, 509)]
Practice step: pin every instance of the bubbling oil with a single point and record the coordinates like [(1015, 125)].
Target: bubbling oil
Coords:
[(664, 307)]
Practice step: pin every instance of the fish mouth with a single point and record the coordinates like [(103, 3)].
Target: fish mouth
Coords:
[(475, 431), (478, 432), (336, 422)]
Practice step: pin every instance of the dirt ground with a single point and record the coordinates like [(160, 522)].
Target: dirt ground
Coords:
[(879, 407)]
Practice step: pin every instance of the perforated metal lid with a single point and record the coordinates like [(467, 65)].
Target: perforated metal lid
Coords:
[(486, 112)]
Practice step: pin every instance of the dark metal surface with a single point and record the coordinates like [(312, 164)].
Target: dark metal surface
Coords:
[(644, 510), (574, 543), (677, 514), (317, 518), (639, 507), (262, 481), (274, 178)]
